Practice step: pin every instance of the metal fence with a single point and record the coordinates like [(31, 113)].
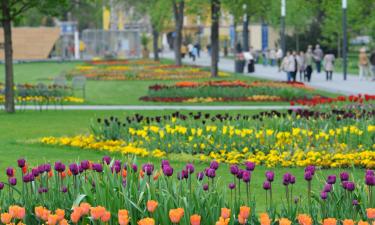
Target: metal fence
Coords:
[(111, 44)]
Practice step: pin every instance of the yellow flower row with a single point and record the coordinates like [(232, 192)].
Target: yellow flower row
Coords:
[(299, 158), (71, 99), (256, 98)]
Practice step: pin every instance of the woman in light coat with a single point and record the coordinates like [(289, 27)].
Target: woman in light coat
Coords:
[(329, 64)]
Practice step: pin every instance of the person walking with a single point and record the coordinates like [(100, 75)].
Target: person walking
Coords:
[(309, 63), (183, 50), (273, 57), (284, 65), (318, 56), (372, 62), (190, 49), (265, 57), (293, 66), (363, 64), (329, 64), (301, 66), (279, 58)]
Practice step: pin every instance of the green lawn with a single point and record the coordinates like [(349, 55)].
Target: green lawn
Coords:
[(19, 130), (109, 92)]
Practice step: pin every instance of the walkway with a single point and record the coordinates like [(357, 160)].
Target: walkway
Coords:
[(352, 86), (157, 107)]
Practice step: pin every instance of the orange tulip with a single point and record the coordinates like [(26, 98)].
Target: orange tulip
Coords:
[(264, 219), (284, 221), (175, 215), (17, 212), (63, 222), (97, 212), (370, 213), (123, 217), (361, 222), (348, 222), (124, 173), (50, 173), (241, 219), (222, 221), (244, 212), (156, 176), (5, 218), (105, 217), (146, 221), (60, 214), (69, 173), (52, 219), (85, 208), (152, 205), (304, 219), (195, 219), (63, 175), (330, 221), (75, 216), (24, 169), (141, 173), (225, 213)]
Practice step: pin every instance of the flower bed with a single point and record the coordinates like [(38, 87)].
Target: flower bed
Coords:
[(337, 138), (138, 70), (114, 192), (225, 91), (338, 100), (42, 94)]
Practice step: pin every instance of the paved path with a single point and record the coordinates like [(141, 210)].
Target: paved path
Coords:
[(158, 107), (351, 86)]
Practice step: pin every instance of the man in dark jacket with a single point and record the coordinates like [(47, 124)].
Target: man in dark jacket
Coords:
[(372, 62)]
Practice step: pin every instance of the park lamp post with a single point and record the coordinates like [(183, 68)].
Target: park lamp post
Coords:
[(283, 14), (245, 28), (345, 39)]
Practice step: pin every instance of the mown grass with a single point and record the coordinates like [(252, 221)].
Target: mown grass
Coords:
[(20, 131)]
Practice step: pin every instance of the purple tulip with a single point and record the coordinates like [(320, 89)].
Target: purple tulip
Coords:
[(74, 169), (370, 172), (190, 168), (232, 186), (205, 187), (266, 185), (64, 189), (125, 166), (308, 175), (97, 167), (211, 173), (148, 168), (185, 174), (124, 182), (168, 171), (327, 188), (331, 179), (350, 186), (246, 176), (59, 167), (292, 179), (85, 164), (135, 168), (355, 202), (370, 180), (214, 165), (240, 174), (324, 195), (10, 172), (13, 181), (250, 166), (270, 175), (116, 168), (344, 176), (287, 178), (21, 163), (106, 159), (47, 167), (310, 169), (1, 185), (29, 177), (200, 176), (164, 163), (117, 163), (234, 169)]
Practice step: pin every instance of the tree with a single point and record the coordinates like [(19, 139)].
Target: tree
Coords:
[(12, 10), (215, 19), (178, 12)]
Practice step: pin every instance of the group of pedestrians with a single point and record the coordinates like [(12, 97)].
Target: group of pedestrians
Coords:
[(193, 51), (366, 65), (302, 63)]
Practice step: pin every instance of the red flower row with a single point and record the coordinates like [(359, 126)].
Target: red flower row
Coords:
[(320, 100)]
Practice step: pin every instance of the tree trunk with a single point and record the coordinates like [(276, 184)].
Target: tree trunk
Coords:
[(9, 83), (178, 11), (297, 41), (155, 39), (245, 33), (215, 15)]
